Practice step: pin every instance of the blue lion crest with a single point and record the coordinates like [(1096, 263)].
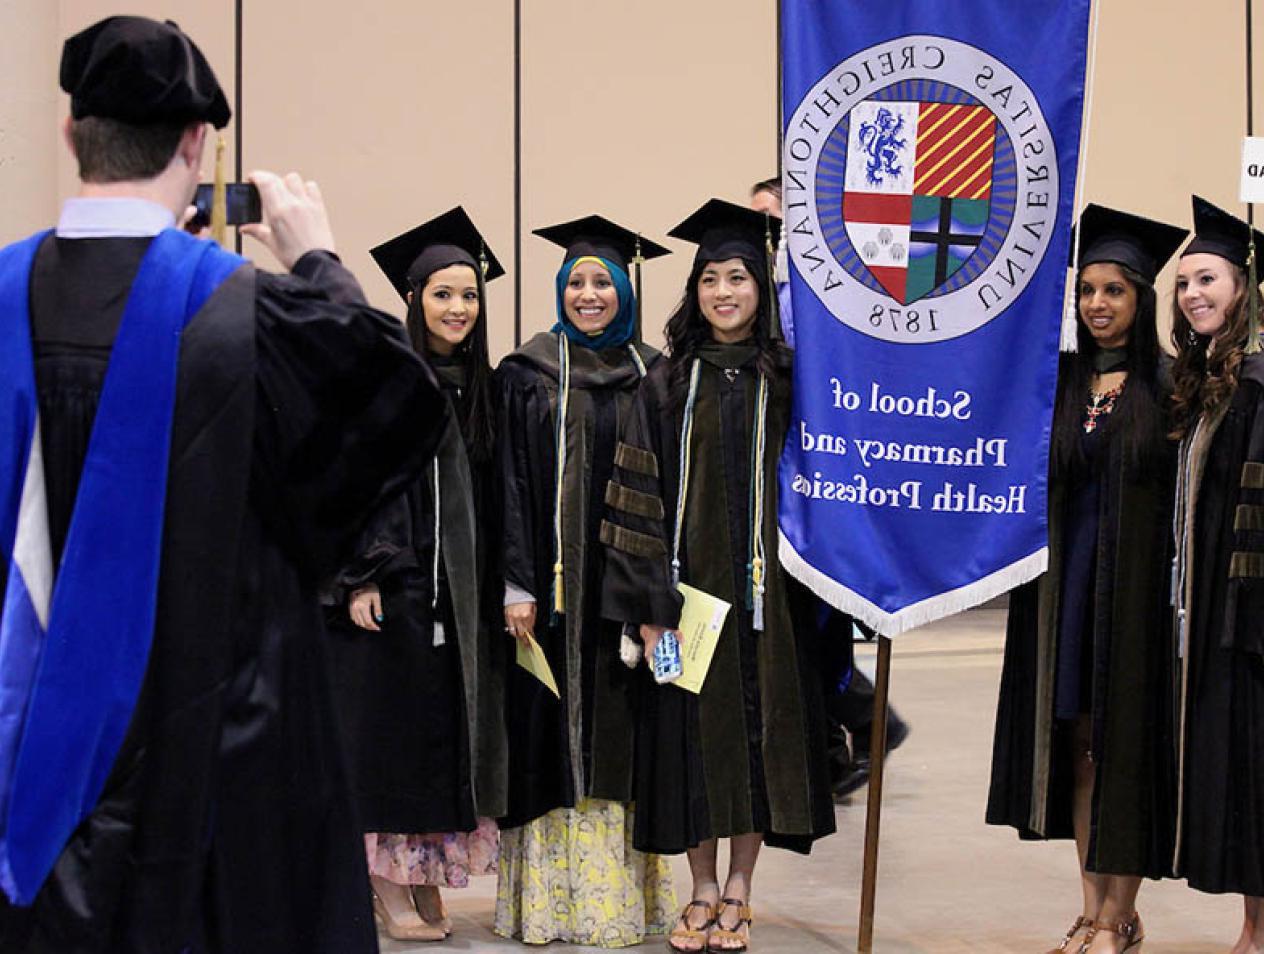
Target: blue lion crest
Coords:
[(881, 142)]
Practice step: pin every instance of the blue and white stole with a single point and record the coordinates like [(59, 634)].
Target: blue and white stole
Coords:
[(74, 645)]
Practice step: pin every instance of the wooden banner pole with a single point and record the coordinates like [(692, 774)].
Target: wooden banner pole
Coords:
[(873, 814)]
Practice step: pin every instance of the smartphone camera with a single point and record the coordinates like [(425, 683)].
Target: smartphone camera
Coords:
[(242, 200)]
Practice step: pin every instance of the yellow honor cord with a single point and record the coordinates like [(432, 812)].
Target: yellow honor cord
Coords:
[(559, 474), (757, 517)]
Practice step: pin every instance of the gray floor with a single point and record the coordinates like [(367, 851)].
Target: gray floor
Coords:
[(948, 883)]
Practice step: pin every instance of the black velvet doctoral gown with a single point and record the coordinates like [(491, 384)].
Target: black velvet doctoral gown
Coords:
[(1131, 686), (226, 823), (1221, 844), (580, 746), (425, 721), (747, 754)]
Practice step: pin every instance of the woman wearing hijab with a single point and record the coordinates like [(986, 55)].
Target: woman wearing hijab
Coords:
[(422, 670), (694, 502), (568, 869), (1084, 743), (1219, 411)]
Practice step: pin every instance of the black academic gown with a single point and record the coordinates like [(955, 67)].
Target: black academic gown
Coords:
[(1107, 591), (747, 754), (226, 823), (425, 715), (1221, 847), (561, 751)]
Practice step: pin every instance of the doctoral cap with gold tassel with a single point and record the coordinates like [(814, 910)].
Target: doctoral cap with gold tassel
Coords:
[(146, 73), (143, 72), (1216, 232)]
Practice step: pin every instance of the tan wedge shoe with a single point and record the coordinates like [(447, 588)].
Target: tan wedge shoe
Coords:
[(421, 931)]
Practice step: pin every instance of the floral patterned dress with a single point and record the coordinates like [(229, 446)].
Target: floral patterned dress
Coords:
[(446, 860), (572, 875)]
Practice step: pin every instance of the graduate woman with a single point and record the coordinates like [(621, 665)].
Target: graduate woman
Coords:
[(694, 500), (568, 869), (1219, 409), (423, 666), (1084, 743)]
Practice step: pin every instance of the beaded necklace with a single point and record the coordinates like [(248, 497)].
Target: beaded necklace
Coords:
[(1100, 405)]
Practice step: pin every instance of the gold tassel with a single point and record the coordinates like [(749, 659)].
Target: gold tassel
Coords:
[(774, 304), (482, 259), (1253, 298), (219, 197), (637, 260), (559, 591)]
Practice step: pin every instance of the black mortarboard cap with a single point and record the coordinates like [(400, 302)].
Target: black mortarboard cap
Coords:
[(598, 236), (724, 230), (1218, 232), (143, 72), (448, 239), (1121, 238)]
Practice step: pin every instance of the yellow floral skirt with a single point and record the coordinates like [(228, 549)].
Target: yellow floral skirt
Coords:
[(573, 876)]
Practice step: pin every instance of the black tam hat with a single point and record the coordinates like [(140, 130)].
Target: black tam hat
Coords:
[(143, 72), (1120, 238), (1219, 233), (449, 239), (723, 230), (601, 238)]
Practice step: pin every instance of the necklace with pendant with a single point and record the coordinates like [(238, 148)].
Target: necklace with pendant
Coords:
[(1100, 404)]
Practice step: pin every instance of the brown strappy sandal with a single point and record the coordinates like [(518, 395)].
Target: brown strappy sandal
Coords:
[(1128, 928), (683, 932), (729, 935), (1080, 923)]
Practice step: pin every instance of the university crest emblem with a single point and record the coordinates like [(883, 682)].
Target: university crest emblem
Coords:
[(921, 188)]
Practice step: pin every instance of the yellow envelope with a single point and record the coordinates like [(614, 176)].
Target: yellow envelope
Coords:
[(531, 658), (701, 621)]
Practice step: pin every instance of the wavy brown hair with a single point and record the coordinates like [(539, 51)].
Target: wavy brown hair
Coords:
[(1205, 373)]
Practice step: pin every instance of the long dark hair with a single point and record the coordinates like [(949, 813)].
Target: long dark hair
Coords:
[(1138, 417), (477, 413), (1205, 372), (688, 328)]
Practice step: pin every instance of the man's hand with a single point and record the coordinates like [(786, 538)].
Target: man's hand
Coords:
[(366, 608), (294, 218), (520, 621)]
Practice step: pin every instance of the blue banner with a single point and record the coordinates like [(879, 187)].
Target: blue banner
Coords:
[(929, 170)]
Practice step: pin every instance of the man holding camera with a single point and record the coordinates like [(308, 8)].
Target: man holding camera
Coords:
[(187, 446)]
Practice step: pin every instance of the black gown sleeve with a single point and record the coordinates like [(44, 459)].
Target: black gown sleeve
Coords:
[(489, 520), (1244, 598), (385, 547), (346, 415), (523, 414), (637, 587)]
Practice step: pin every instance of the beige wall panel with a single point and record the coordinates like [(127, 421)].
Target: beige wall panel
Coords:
[(1169, 110), (29, 139), (209, 22), (640, 112), (400, 110)]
